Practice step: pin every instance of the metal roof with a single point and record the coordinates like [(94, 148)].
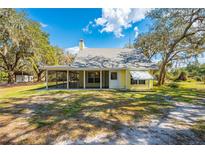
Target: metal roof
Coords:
[(141, 75), (107, 58), (111, 58)]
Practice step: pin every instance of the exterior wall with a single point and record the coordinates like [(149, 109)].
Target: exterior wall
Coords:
[(148, 85), (123, 79)]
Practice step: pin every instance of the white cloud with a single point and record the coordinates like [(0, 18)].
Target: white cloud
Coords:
[(43, 25), (87, 29), (100, 21), (116, 20), (136, 30)]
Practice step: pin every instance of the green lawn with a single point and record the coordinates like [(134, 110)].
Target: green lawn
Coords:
[(37, 116)]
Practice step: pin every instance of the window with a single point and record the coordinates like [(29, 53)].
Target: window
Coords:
[(113, 75), (133, 81), (141, 81), (137, 81), (93, 77)]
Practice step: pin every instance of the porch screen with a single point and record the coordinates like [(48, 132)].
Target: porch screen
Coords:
[(93, 77)]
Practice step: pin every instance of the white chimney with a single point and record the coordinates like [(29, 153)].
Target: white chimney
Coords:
[(81, 45)]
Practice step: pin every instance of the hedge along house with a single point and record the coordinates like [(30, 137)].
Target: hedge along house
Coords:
[(111, 68)]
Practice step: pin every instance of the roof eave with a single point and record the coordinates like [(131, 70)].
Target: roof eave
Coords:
[(67, 67)]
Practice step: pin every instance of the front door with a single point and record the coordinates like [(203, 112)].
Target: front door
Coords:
[(114, 79)]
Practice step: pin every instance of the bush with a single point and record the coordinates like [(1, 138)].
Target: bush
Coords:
[(191, 80), (155, 83), (3, 76), (198, 78), (173, 85), (203, 78), (170, 76)]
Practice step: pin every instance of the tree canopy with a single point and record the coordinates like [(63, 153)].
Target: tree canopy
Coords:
[(176, 34), (15, 40), (23, 45)]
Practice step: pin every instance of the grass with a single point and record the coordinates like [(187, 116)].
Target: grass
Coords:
[(189, 92), (19, 91), (36, 116)]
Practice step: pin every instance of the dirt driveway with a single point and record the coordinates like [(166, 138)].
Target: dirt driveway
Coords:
[(173, 128)]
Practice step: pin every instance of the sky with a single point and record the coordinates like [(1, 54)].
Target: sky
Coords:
[(99, 28)]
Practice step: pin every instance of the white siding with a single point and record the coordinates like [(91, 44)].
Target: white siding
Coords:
[(24, 78)]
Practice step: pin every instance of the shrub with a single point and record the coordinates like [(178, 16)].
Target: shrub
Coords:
[(3, 76), (190, 80), (198, 78), (173, 85), (203, 78), (170, 76), (155, 83), (156, 76)]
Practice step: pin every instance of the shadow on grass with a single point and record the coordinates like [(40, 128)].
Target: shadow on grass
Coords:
[(184, 95), (76, 113)]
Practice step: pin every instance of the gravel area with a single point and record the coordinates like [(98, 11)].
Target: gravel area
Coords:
[(173, 128)]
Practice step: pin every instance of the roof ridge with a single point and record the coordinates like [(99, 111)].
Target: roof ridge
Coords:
[(110, 48)]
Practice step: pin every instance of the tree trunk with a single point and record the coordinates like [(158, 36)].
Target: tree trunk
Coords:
[(10, 77), (39, 77), (161, 74), (164, 76)]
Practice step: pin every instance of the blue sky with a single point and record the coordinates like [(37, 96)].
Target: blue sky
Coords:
[(100, 28), (67, 26)]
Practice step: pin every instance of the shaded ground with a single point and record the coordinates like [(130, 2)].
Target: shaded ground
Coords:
[(164, 116)]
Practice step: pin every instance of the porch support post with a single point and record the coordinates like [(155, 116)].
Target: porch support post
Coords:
[(148, 83), (100, 79), (46, 79), (109, 79), (56, 80), (67, 79), (126, 79), (84, 79)]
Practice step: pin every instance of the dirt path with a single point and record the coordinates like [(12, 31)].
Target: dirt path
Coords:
[(173, 128)]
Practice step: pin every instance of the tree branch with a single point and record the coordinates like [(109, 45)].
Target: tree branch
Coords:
[(3, 67), (16, 60), (4, 59), (186, 30)]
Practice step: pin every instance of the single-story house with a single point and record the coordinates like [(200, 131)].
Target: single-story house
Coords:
[(113, 68), (21, 76)]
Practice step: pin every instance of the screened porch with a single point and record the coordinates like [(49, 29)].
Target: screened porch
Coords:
[(77, 79)]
